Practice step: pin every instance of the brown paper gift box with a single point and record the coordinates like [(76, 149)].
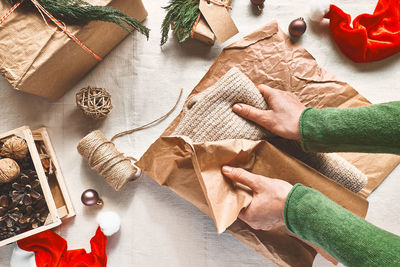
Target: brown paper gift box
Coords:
[(203, 32), (192, 171), (41, 60)]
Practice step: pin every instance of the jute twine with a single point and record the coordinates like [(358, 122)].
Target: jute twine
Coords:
[(94, 102), (104, 158)]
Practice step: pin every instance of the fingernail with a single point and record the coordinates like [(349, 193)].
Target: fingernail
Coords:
[(226, 169), (237, 108)]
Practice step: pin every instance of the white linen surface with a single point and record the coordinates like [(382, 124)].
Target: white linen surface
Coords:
[(158, 227)]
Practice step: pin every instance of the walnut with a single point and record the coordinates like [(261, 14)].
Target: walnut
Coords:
[(9, 170), (15, 148)]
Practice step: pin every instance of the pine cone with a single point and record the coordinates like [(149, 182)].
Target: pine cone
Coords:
[(22, 205), (15, 217), (27, 163), (26, 189), (7, 232), (10, 215), (4, 201), (34, 216), (5, 189)]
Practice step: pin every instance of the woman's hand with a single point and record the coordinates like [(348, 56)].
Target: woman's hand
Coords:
[(283, 115), (265, 211)]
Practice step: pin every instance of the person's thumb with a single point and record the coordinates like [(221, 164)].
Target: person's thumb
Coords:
[(242, 176), (259, 116)]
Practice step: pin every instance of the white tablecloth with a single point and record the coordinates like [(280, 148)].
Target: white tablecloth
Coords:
[(158, 227)]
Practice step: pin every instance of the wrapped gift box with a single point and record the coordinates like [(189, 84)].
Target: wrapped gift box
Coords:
[(203, 31), (42, 60), (53, 185)]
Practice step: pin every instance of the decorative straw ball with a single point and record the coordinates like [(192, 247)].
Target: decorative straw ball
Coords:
[(94, 102)]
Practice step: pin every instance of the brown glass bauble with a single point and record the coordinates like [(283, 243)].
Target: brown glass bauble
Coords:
[(297, 27), (90, 197)]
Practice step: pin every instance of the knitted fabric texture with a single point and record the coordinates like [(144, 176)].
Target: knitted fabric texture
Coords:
[(331, 165), (208, 116)]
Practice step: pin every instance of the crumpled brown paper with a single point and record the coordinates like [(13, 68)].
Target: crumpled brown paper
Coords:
[(40, 59), (266, 56)]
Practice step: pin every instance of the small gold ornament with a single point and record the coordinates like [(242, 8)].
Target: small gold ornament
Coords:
[(14, 148), (9, 170)]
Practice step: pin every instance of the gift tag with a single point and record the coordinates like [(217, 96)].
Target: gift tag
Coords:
[(218, 18)]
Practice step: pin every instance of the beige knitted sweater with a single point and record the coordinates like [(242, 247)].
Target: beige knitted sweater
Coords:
[(208, 116)]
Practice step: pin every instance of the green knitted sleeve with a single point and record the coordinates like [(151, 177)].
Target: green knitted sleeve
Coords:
[(374, 129), (347, 237)]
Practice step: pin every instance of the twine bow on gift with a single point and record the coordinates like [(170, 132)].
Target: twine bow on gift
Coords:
[(59, 24)]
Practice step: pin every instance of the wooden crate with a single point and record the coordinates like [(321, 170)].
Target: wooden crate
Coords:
[(53, 186)]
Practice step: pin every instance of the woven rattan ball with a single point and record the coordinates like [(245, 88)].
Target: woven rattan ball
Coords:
[(94, 102)]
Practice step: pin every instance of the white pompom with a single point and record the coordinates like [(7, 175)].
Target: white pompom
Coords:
[(318, 9), (22, 257), (109, 222)]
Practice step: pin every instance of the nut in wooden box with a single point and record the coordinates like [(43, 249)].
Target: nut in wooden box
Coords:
[(41, 157)]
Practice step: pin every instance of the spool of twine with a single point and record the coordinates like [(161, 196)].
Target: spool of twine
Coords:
[(104, 158)]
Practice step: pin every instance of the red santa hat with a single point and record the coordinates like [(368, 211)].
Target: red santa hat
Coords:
[(49, 249), (371, 37)]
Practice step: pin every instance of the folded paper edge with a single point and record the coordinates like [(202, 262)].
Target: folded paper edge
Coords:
[(260, 34)]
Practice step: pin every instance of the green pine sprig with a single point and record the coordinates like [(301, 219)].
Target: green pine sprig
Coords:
[(182, 14), (78, 12)]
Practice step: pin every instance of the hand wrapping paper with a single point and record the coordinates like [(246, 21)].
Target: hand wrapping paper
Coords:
[(192, 170)]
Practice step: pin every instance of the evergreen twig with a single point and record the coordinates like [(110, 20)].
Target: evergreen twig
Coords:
[(78, 12), (182, 14)]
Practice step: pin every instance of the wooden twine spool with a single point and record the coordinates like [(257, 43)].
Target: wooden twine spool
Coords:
[(94, 102), (106, 160), (103, 157)]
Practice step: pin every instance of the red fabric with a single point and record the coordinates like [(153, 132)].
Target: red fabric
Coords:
[(51, 250), (372, 37)]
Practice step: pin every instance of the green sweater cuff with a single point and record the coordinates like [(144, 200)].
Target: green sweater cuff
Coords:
[(373, 129), (303, 132), (348, 238), (288, 200)]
